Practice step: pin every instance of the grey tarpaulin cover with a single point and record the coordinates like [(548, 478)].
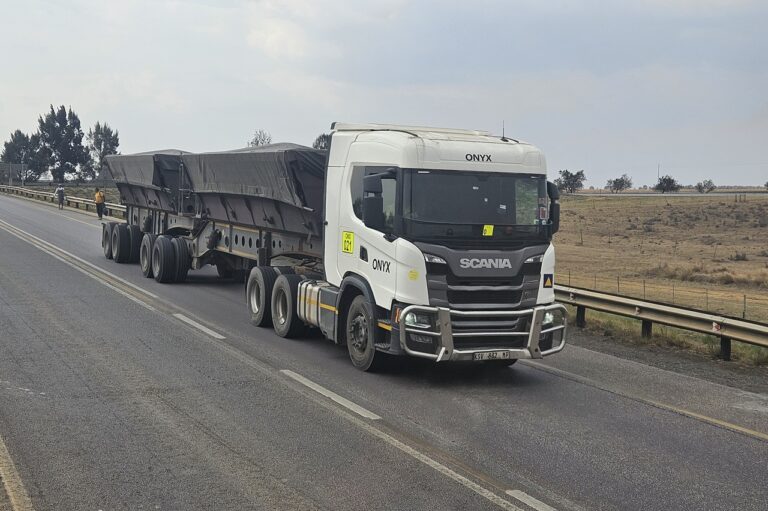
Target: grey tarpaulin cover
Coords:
[(287, 173), (139, 169)]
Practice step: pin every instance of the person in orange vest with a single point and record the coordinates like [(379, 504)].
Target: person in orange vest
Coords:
[(99, 200)]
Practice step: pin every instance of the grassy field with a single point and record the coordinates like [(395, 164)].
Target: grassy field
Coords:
[(707, 252)]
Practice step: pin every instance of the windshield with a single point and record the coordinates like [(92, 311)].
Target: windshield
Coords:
[(490, 205)]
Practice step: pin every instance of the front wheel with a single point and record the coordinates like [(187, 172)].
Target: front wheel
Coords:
[(360, 333)]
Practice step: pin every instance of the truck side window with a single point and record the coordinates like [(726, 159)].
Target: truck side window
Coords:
[(389, 193)]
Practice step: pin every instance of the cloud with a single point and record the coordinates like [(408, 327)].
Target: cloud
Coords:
[(278, 38)]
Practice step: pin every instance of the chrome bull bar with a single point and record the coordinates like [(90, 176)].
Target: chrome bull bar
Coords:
[(444, 335)]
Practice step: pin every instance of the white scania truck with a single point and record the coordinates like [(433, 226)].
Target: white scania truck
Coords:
[(399, 240)]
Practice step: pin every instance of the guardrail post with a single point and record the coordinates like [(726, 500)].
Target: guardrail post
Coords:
[(581, 316), (647, 328), (725, 348)]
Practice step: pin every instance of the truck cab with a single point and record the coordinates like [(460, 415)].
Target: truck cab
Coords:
[(449, 235)]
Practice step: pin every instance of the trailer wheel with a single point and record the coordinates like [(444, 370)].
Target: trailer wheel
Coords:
[(163, 260), (145, 255), (135, 234), (106, 238), (258, 293), (285, 319), (360, 332), (182, 259), (121, 243)]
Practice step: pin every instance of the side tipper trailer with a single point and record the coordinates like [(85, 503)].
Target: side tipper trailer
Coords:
[(398, 240)]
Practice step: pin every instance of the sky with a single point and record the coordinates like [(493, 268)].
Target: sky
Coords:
[(610, 87)]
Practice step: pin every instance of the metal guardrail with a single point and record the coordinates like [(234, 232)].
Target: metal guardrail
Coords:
[(113, 210), (648, 313)]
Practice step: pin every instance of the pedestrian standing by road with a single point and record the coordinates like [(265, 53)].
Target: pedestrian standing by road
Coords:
[(60, 195), (99, 200)]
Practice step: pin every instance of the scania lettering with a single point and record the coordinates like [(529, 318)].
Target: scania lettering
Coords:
[(486, 263), (397, 241)]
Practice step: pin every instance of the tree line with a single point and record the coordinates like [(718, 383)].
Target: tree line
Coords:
[(572, 182), (58, 147)]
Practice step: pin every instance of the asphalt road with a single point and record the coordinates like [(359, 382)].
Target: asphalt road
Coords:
[(109, 401)]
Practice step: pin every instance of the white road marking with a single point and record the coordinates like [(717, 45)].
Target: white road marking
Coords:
[(197, 325), (34, 202), (19, 502), (14, 487), (407, 449), (346, 403), (662, 406), (79, 260), (40, 245), (530, 501)]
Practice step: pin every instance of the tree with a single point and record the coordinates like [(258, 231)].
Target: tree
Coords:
[(323, 141), (570, 182), (619, 184), (60, 144), (705, 186), (21, 151), (667, 184), (260, 137), (102, 141), (766, 185)]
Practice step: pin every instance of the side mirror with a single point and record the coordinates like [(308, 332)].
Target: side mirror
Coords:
[(372, 184), (554, 206)]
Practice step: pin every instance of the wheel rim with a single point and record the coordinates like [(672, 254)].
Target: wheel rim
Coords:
[(255, 297), (156, 259), (282, 307), (144, 257), (357, 333)]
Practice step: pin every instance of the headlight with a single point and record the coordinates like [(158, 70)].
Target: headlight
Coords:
[(549, 318), (535, 259), (434, 259), (418, 320)]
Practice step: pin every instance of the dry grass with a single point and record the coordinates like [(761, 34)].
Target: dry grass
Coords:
[(712, 250)]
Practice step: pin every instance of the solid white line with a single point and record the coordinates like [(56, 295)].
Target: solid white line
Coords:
[(530, 501), (197, 325), (21, 235), (14, 486), (346, 403), (82, 261)]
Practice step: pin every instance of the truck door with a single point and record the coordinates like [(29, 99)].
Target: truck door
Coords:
[(371, 246)]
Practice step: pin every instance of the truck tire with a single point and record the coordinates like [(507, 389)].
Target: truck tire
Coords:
[(145, 255), (163, 260), (258, 295), (121, 243), (106, 238), (135, 234), (182, 259), (360, 333), (285, 319)]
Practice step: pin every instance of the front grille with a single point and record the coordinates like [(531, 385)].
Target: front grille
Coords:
[(495, 293), (465, 326)]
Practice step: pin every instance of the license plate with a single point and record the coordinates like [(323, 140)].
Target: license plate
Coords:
[(492, 355)]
